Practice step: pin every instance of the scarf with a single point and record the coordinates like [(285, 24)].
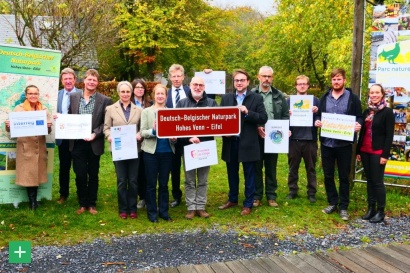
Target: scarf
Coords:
[(27, 106), (374, 108)]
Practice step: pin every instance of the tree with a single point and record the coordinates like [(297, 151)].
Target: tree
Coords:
[(155, 34), (309, 37), (76, 27)]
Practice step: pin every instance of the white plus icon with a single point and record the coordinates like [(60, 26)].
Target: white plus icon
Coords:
[(19, 252)]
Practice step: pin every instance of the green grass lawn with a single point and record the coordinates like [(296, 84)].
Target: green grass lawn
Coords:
[(54, 224)]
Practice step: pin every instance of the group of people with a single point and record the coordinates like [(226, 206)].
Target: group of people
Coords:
[(160, 157)]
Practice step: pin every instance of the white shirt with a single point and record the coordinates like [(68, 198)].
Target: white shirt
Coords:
[(65, 104), (182, 94)]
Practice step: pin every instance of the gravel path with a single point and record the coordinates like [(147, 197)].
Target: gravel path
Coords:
[(164, 250)]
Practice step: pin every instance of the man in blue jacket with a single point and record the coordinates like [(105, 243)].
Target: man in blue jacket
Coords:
[(68, 79), (338, 100), (244, 147)]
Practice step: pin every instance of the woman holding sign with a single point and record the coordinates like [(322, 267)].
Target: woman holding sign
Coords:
[(157, 158), (373, 150), (124, 112), (31, 155)]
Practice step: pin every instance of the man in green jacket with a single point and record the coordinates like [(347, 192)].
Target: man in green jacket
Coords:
[(276, 108)]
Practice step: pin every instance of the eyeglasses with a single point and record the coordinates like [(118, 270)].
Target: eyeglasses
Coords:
[(241, 80), (197, 84), (302, 84), (33, 94), (266, 76)]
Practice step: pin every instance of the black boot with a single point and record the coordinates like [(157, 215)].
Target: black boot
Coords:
[(371, 211), (32, 197), (378, 217)]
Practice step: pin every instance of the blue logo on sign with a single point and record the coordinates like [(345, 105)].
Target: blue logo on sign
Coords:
[(39, 122)]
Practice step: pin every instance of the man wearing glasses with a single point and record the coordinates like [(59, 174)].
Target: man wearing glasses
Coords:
[(176, 93), (244, 147), (303, 144), (196, 180), (276, 108)]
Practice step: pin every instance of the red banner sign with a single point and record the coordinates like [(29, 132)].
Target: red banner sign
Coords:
[(209, 121)]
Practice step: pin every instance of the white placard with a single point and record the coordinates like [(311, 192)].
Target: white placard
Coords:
[(200, 155), (301, 107), (124, 142), (72, 126), (28, 123), (338, 126), (215, 82), (277, 136)]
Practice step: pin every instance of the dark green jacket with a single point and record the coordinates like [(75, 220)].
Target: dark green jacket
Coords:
[(280, 106)]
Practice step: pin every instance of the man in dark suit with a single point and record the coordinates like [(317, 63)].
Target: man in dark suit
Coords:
[(86, 152), (245, 147), (176, 93), (68, 79)]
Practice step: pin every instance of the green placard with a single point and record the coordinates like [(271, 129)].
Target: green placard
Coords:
[(29, 60), (20, 252)]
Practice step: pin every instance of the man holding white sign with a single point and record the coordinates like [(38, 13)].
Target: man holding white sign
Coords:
[(276, 109), (341, 101), (303, 143), (196, 193), (68, 79), (86, 152)]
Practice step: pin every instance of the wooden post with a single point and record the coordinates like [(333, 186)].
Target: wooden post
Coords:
[(357, 65), (357, 50)]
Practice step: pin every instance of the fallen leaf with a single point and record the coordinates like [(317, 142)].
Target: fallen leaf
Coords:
[(59, 257), (248, 246)]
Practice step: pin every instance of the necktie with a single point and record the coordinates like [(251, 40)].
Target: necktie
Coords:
[(177, 96)]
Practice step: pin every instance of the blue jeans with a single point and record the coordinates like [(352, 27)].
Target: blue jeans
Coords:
[(233, 177), (127, 184), (343, 157), (157, 167)]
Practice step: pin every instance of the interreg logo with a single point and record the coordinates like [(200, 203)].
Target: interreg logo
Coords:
[(276, 136), (20, 252)]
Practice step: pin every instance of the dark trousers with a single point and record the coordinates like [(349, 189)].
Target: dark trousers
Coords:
[(157, 167), (270, 162), (342, 156), (376, 190), (142, 183), (306, 149), (233, 176), (64, 156), (176, 172), (127, 184), (86, 167)]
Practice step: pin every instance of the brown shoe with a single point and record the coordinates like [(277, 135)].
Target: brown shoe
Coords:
[(202, 213), (61, 200), (228, 205), (81, 210), (190, 215), (92, 210), (257, 203), (246, 211), (273, 203)]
